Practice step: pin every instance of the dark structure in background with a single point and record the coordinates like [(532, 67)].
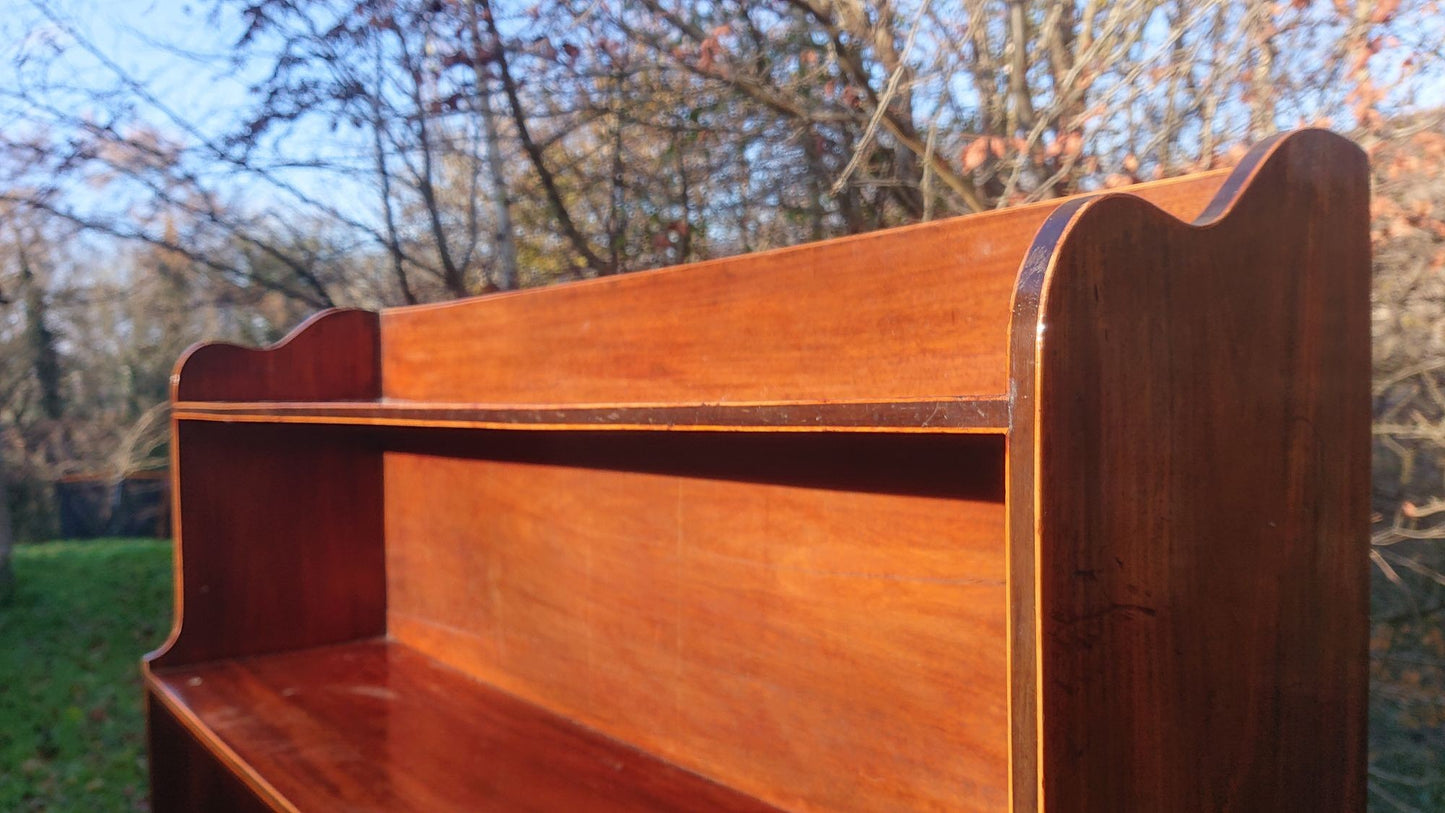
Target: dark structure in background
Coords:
[(96, 505)]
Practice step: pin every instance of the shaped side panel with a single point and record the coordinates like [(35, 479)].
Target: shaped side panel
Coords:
[(334, 355), (1192, 424), (278, 529)]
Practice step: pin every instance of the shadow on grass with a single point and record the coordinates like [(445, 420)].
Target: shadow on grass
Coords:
[(81, 614)]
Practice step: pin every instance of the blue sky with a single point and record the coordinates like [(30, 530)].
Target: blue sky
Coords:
[(181, 52), (136, 34)]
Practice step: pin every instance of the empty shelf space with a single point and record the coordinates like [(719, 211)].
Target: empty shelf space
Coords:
[(940, 416), (377, 726)]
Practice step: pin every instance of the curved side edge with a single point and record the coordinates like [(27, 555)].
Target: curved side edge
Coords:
[(279, 548), (334, 355), (1190, 436), (178, 604), (1025, 777), (265, 794)]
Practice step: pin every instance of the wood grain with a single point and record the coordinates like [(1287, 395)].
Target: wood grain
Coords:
[(185, 775), (1200, 447), (373, 726), (913, 313), (279, 541), (786, 615)]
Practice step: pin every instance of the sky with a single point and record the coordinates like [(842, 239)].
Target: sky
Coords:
[(181, 53), (140, 36)]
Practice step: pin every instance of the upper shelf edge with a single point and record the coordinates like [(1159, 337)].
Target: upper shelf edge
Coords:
[(946, 415)]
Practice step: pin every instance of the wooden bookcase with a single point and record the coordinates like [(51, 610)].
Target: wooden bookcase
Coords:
[(1061, 507)]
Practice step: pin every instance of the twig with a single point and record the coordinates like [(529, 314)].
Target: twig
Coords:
[(881, 108)]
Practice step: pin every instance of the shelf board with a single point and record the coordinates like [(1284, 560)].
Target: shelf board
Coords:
[(935, 416), (374, 725)]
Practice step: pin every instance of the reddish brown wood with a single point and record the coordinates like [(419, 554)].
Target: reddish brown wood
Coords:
[(817, 587), (288, 540), (373, 726), (331, 356), (1196, 431), (185, 775), (913, 313), (788, 615)]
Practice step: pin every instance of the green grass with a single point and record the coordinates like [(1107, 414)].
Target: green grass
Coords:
[(72, 736)]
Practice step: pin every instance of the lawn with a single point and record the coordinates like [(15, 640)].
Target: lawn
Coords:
[(72, 736)]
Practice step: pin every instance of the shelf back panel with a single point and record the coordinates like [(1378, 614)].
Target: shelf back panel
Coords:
[(905, 313), (818, 621), (1200, 426)]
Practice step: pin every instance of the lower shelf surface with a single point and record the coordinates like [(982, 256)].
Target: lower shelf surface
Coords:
[(375, 726)]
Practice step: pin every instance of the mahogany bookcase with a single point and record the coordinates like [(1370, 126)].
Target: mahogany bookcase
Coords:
[(1061, 507)]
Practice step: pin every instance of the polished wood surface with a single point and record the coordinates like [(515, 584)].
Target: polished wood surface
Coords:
[(332, 356), (817, 621), (288, 545), (287, 525), (374, 726), (952, 415), (1053, 509), (1199, 500), (913, 313), (185, 774)]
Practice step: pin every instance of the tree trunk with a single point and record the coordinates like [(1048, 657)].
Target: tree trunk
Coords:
[(41, 340), (534, 150), (504, 243)]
